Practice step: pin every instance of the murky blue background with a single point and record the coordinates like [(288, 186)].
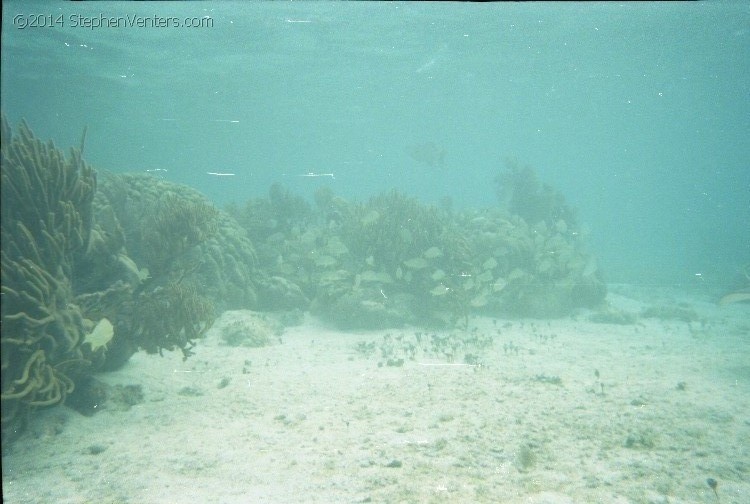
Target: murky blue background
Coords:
[(638, 113)]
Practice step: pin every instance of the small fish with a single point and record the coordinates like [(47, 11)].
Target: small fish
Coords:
[(100, 336), (219, 174), (713, 485), (734, 297), (428, 154)]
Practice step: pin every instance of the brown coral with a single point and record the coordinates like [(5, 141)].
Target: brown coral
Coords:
[(46, 221)]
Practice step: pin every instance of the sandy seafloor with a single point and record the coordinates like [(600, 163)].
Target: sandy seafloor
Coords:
[(312, 419)]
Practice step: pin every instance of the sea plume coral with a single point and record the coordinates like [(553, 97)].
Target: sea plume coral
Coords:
[(46, 221)]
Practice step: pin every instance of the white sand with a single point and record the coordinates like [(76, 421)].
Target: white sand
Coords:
[(313, 420)]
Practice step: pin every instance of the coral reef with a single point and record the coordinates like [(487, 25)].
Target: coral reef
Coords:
[(92, 272), (187, 261), (46, 222), (521, 192), (174, 225), (393, 260), (170, 317), (247, 328), (169, 227)]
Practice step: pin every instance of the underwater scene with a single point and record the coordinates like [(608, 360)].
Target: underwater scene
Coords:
[(334, 252)]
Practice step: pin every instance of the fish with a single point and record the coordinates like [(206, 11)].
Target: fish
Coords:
[(429, 154), (734, 297), (100, 336), (741, 295)]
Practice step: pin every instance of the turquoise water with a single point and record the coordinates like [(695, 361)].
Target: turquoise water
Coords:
[(638, 113)]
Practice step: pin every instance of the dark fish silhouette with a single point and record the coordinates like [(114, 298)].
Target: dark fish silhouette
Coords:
[(428, 154), (741, 295)]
